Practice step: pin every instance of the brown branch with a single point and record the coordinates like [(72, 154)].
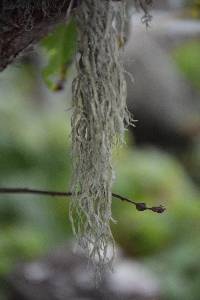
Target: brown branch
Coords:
[(24, 23), (139, 206)]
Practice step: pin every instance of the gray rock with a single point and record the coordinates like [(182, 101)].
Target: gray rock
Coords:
[(160, 98), (64, 274)]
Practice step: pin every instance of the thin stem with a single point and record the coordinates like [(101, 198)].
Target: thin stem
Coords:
[(139, 206)]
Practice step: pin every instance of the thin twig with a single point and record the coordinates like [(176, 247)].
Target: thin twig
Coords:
[(139, 206)]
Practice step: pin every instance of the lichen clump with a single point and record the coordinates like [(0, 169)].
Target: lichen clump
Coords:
[(98, 122)]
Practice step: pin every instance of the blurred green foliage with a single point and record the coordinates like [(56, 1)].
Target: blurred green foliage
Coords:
[(193, 8), (60, 48), (35, 152), (179, 270), (154, 177), (187, 57)]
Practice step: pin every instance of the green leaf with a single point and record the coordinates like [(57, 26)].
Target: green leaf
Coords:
[(60, 47)]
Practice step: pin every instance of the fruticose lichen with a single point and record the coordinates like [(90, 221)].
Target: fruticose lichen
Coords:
[(98, 122)]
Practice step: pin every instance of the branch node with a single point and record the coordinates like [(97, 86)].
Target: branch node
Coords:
[(141, 206)]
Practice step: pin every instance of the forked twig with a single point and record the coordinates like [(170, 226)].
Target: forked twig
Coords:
[(139, 206)]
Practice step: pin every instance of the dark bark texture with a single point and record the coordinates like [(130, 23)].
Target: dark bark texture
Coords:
[(24, 22)]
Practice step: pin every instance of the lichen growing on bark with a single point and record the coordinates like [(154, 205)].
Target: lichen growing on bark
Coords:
[(98, 122)]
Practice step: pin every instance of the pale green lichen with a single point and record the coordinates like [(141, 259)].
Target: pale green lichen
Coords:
[(99, 119)]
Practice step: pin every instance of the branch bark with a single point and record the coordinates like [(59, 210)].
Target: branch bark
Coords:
[(24, 23), (139, 206)]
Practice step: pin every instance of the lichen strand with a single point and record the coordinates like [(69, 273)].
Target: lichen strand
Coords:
[(98, 122)]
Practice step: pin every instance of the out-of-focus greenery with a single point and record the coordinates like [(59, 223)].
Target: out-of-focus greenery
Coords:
[(35, 152), (155, 178), (60, 47), (187, 57), (193, 8), (178, 269)]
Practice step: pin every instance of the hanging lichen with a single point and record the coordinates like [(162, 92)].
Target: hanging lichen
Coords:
[(98, 122)]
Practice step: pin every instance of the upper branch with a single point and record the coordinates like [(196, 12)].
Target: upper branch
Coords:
[(25, 22)]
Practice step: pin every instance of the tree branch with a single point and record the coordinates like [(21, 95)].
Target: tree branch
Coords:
[(24, 22), (139, 206)]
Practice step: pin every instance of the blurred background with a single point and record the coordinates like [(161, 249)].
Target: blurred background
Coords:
[(158, 255)]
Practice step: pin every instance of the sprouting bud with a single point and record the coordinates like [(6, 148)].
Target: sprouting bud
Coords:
[(159, 209), (141, 206)]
